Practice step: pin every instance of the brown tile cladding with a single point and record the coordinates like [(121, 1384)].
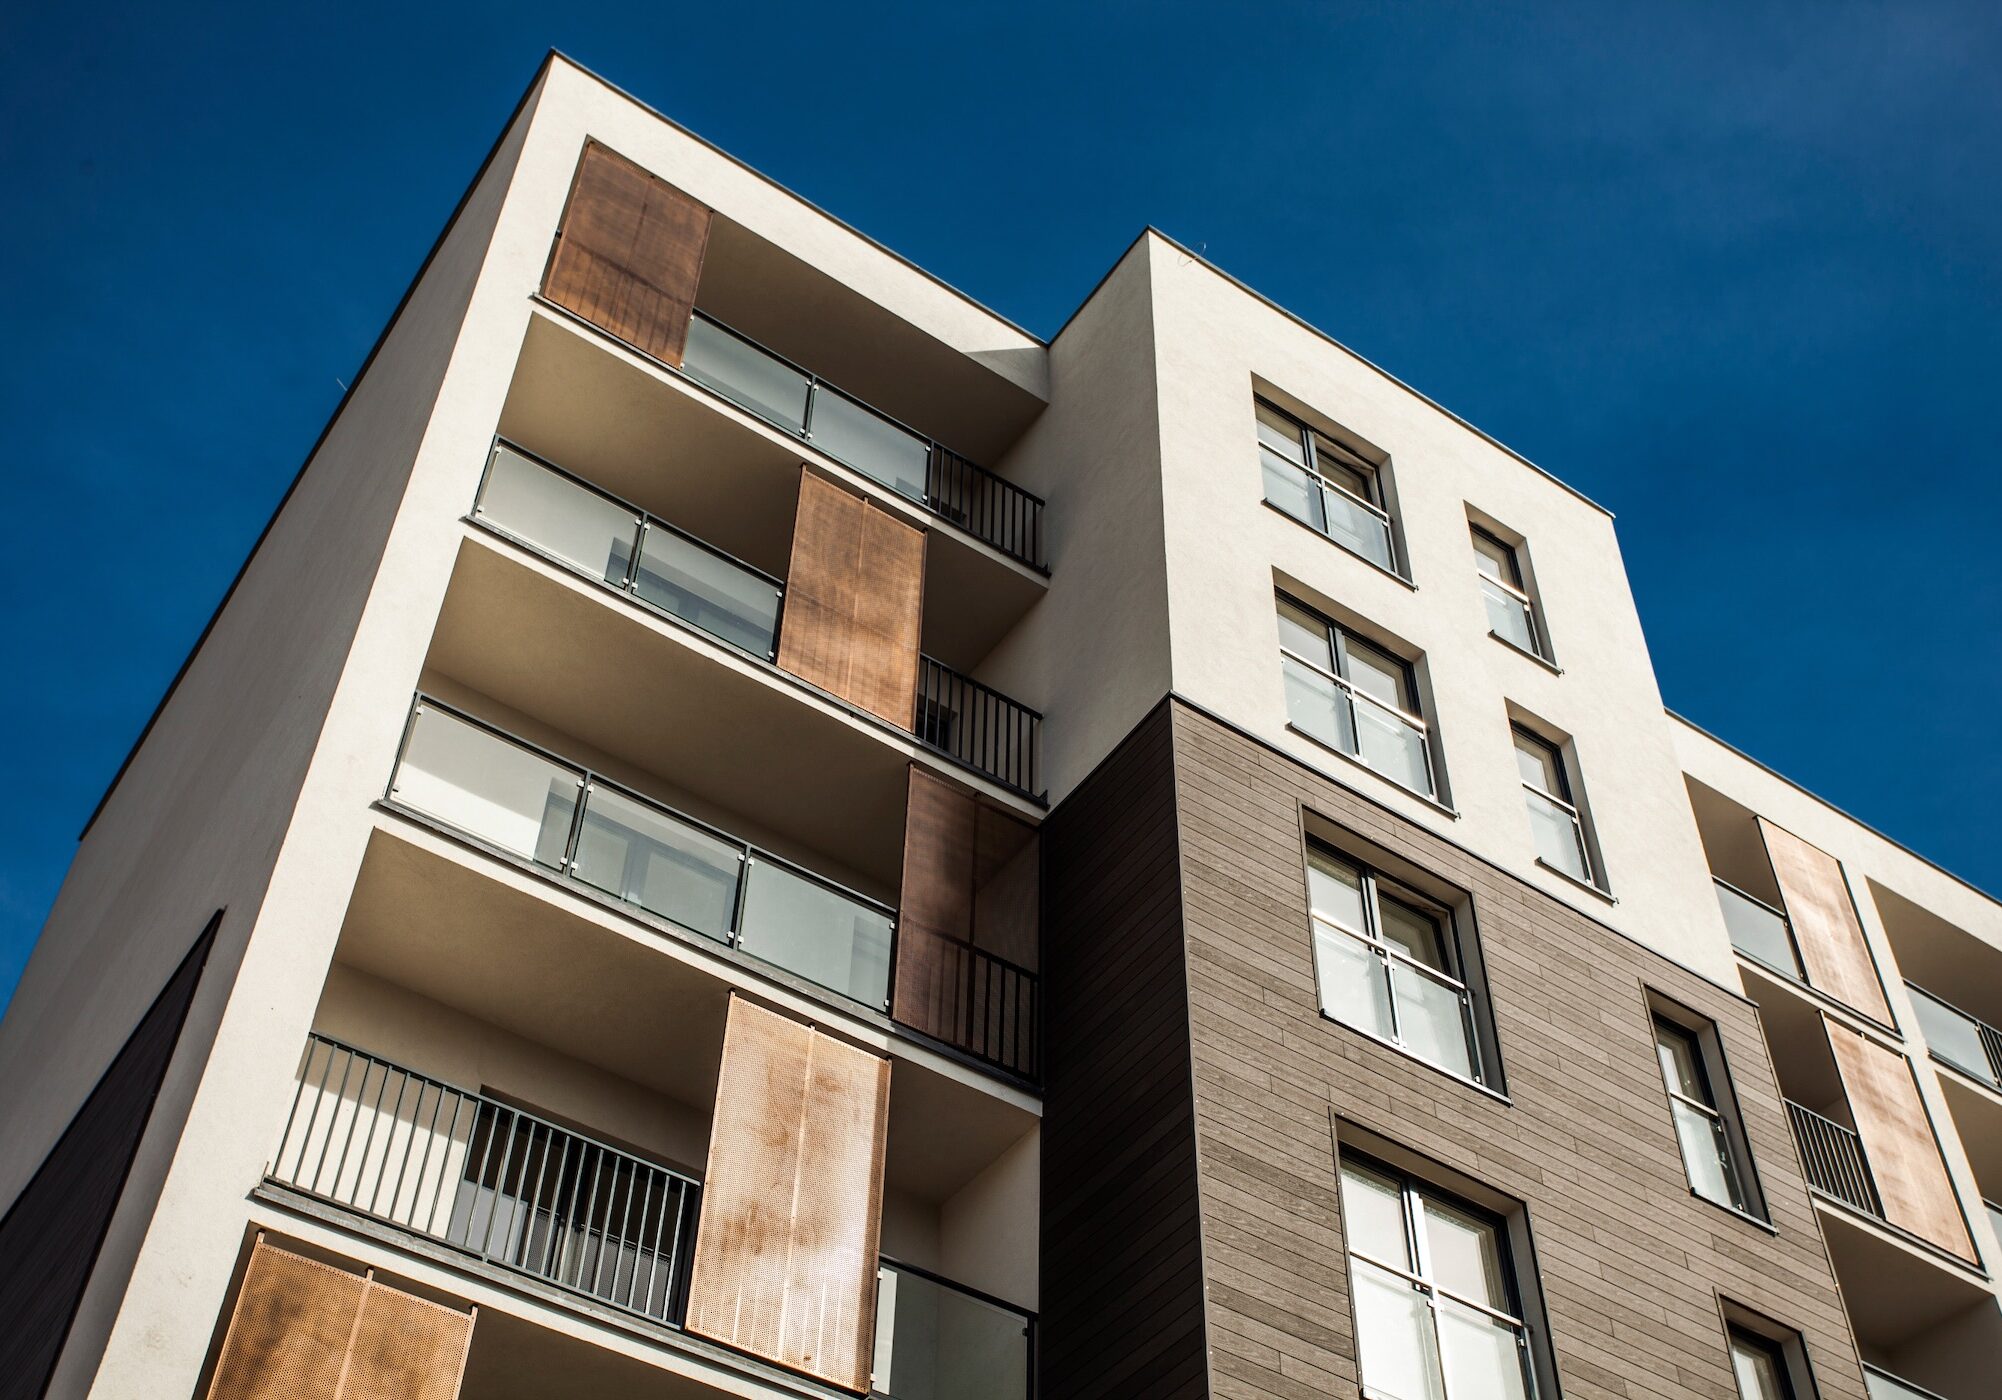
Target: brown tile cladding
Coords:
[(1630, 1263)]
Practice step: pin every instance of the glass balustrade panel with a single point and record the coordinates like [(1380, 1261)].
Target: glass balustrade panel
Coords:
[(701, 587), (817, 932), (664, 865), (1559, 840), (488, 787), (935, 1342), (557, 516), (743, 373), (870, 443)]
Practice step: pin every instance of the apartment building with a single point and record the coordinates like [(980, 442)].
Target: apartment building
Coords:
[(751, 828)]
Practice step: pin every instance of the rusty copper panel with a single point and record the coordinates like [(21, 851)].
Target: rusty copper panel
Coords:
[(406, 1348), (1898, 1140), (303, 1330), (630, 253), (785, 1252), (1824, 922), (854, 601), (288, 1338)]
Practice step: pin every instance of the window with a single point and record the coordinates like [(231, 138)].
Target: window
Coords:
[(1554, 820), (1386, 964), (1319, 482), (1437, 1312), (1511, 612), (1760, 1366), (1353, 697), (1705, 1126)]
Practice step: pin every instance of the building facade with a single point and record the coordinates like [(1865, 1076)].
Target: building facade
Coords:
[(751, 828)]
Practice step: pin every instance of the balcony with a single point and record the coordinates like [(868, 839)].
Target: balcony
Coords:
[(1957, 1039), (576, 825), (504, 1189), (798, 402), (1759, 931), (1832, 1155), (1882, 1385), (670, 572)]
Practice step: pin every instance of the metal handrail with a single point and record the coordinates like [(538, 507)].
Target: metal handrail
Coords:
[(589, 779), (1022, 515), (1833, 1157), (1404, 717), (1026, 1316), (976, 725), (997, 1012), (1989, 1036), (1905, 1387), (623, 1240), (1750, 898)]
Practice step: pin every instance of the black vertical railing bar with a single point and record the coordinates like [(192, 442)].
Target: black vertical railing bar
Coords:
[(1834, 1159), (950, 478), (487, 1214), (978, 726)]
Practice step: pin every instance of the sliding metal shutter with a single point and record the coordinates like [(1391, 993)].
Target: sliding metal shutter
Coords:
[(303, 1330), (967, 937), (1912, 1182), (854, 601), (630, 253), (786, 1251), (1824, 922)]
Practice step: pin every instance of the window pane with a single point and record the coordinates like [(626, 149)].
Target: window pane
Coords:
[(1413, 930), (1398, 1350), (487, 787), (1292, 490), (817, 932), (1706, 1155), (739, 370), (1558, 838), (1334, 463), (1334, 890), (1315, 705), (1361, 529), (664, 865), (1353, 985), (1538, 763), (1391, 745), (1757, 1365), (557, 516), (1281, 434), (1430, 1023), (1494, 559), (1304, 634), (708, 590), (874, 446), (1508, 617), (1466, 1253), (1680, 1065), (1482, 1357), (1377, 673), (1373, 1216)]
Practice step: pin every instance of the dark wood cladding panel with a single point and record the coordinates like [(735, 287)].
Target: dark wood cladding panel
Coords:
[(1825, 925), (967, 932), (1630, 1262), (854, 601), (1898, 1140), (629, 254), (51, 1234), (1122, 1294)]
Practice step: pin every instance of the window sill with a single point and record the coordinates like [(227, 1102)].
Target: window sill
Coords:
[(1330, 539), (1568, 878), (1376, 773), (1497, 1095), (1745, 1215), (1545, 662)]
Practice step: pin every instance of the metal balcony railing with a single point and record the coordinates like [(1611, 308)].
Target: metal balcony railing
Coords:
[(508, 794), (1759, 931), (938, 1340), (798, 401), (1834, 1159), (978, 726), (1966, 1042), (485, 1178), (1882, 1385), (561, 517)]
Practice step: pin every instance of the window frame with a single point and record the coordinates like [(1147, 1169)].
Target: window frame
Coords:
[(1779, 1341), (1312, 441), (1339, 635), (1460, 972), (1413, 1190), (1560, 765), (1516, 586), (1707, 1047)]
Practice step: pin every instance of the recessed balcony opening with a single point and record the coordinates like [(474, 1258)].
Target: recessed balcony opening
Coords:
[(1923, 1332), (1747, 892), (1955, 982)]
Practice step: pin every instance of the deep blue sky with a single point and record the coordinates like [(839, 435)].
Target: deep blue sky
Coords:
[(1734, 271)]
